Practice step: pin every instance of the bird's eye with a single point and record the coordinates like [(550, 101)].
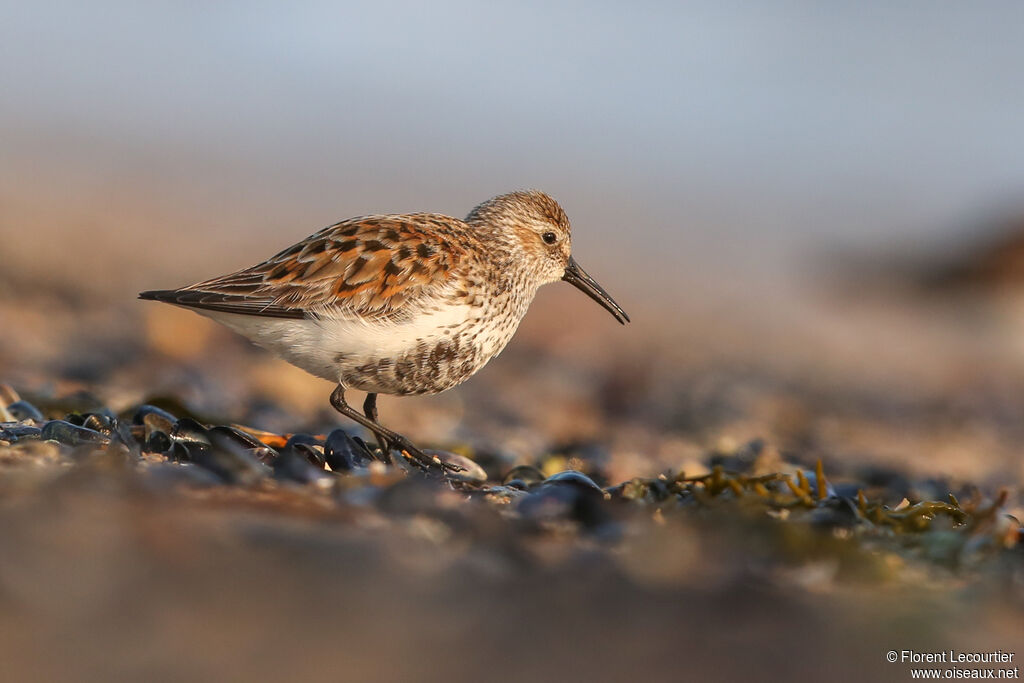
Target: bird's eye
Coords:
[(549, 237)]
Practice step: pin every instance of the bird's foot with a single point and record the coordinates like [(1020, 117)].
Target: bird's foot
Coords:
[(421, 460), (384, 451)]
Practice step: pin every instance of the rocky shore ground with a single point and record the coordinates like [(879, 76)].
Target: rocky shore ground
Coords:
[(698, 500)]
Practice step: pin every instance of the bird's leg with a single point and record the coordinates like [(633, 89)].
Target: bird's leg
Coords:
[(394, 439), (370, 410)]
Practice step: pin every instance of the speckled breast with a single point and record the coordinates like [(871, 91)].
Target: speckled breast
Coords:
[(436, 363), (430, 368)]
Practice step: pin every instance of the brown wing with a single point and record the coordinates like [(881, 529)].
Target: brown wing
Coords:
[(371, 267)]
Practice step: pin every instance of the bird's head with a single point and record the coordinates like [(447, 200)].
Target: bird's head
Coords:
[(539, 233)]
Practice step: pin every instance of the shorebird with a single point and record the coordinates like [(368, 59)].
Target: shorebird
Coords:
[(399, 304)]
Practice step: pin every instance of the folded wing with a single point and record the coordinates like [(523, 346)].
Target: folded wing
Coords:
[(374, 267)]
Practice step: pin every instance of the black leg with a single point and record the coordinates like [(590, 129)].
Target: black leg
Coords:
[(370, 406), (370, 411), (396, 440)]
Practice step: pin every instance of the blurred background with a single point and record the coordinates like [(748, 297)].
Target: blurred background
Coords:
[(814, 213), (786, 194)]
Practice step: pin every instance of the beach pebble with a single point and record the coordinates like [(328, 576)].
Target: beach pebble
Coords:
[(166, 475)]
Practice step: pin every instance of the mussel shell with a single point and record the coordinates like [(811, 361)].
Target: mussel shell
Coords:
[(567, 495), (573, 478), (471, 472), (235, 436), (146, 409), (291, 464), (228, 453), (155, 422), (309, 447), (344, 454), (98, 422), (23, 410), (523, 477), (187, 430), (13, 431), (158, 442), (231, 465), (70, 434)]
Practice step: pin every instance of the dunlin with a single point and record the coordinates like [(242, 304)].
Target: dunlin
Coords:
[(399, 304)]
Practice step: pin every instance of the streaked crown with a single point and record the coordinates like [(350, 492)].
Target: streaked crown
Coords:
[(534, 226)]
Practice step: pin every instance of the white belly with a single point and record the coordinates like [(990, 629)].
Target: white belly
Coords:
[(328, 347)]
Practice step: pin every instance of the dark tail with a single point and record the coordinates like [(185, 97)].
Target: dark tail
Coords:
[(225, 303), (166, 295)]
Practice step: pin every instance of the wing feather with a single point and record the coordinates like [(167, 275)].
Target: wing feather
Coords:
[(379, 267)]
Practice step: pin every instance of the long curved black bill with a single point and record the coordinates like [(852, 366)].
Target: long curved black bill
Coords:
[(579, 279)]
